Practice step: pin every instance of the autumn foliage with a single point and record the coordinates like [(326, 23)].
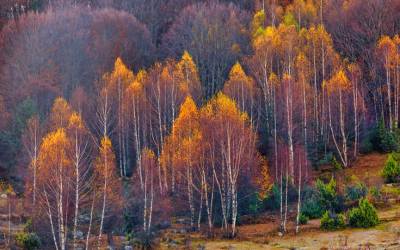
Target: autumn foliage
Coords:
[(136, 112)]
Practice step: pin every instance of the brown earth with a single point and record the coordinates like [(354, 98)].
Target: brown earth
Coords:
[(265, 235)]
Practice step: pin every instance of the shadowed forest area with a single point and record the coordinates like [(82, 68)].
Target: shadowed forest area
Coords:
[(199, 124)]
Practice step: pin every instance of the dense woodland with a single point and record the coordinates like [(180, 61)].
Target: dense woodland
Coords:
[(117, 116)]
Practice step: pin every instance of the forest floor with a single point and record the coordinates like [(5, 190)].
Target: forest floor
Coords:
[(252, 237), (263, 233)]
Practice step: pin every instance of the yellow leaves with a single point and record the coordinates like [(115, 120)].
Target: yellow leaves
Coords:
[(141, 76), (121, 71), (105, 145), (286, 77), (237, 76), (268, 38), (188, 108), (186, 62), (396, 40), (105, 162), (187, 121), (237, 72), (60, 113), (136, 87), (273, 79), (120, 77), (302, 66), (148, 154), (257, 24), (240, 88), (263, 180), (386, 43), (338, 82), (183, 145), (224, 108), (53, 151), (388, 48), (76, 121), (187, 76)]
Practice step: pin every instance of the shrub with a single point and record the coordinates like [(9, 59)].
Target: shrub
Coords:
[(391, 170), (336, 165), (356, 192), (327, 192), (375, 193), (364, 215), (327, 159), (303, 219), (383, 139), (311, 206), (28, 241), (366, 144), (272, 201), (332, 221), (255, 204)]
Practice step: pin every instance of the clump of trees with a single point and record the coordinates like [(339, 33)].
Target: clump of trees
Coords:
[(220, 108)]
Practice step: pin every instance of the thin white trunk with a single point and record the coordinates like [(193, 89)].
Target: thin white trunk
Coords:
[(104, 200), (51, 220), (342, 129), (90, 223), (298, 202), (77, 188)]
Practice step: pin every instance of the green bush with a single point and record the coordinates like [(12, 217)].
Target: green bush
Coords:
[(272, 201), (356, 192), (332, 221), (311, 206), (391, 170), (366, 145), (328, 196), (255, 204), (303, 219), (28, 241), (364, 215), (383, 139), (336, 165), (327, 159), (375, 193)]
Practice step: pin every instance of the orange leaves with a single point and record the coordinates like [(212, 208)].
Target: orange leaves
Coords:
[(237, 74), (225, 109), (388, 48), (188, 77), (338, 82), (186, 136), (76, 121), (263, 180), (121, 71), (257, 24), (386, 44), (241, 88), (53, 154), (119, 78), (188, 113), (60, 113), (105, 161)]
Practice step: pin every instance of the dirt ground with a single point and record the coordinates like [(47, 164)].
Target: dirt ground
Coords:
[(253, 237), (265, 236)]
